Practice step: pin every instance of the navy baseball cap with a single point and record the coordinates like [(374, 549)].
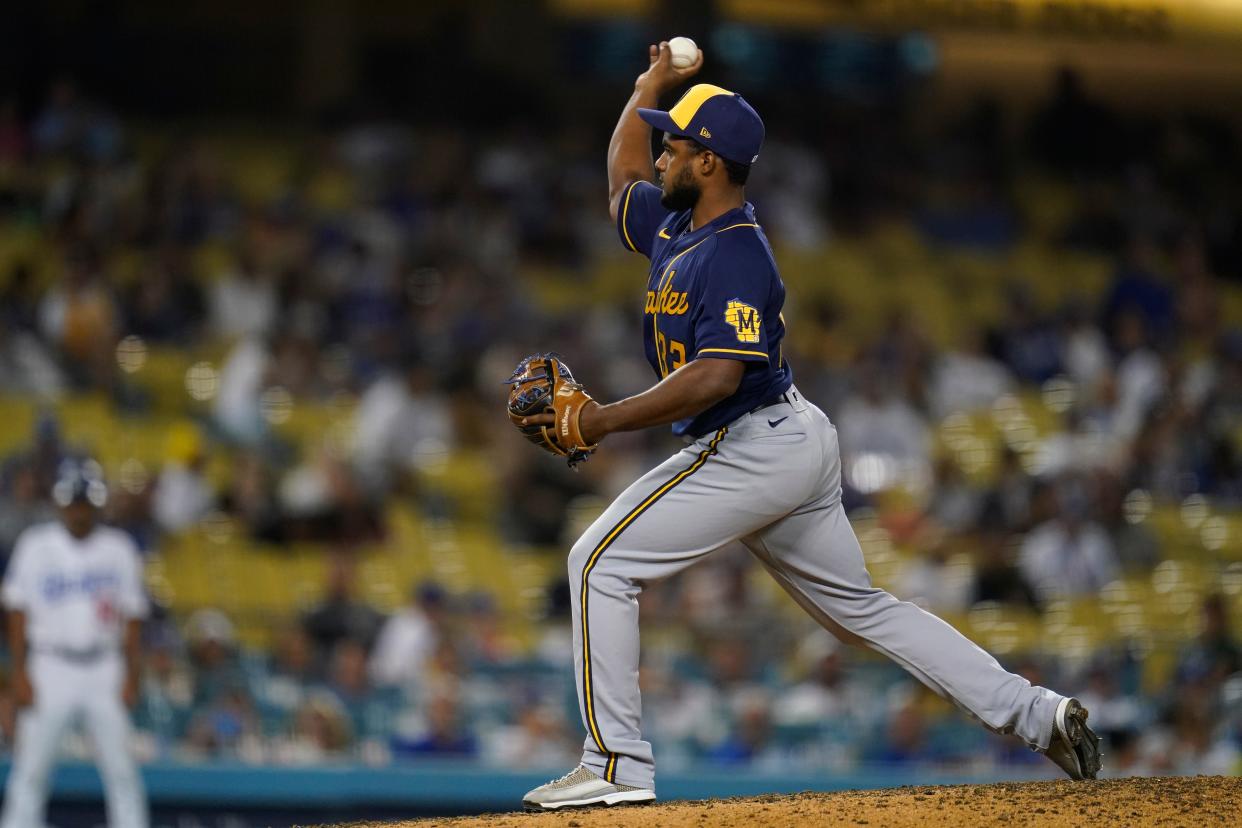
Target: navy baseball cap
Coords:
[(718, 119), (80, 480)]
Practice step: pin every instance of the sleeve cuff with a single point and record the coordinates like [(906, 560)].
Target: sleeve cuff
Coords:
[(623, 218), (732, 353)]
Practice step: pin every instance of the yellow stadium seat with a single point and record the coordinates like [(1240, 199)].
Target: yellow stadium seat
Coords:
[(211, 260), (315, 425), (468, 480), (163, 377), (18, 415), (1047, 203), (1230, 304)]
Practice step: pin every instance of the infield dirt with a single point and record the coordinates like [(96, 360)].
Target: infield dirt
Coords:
[(1139, 802)]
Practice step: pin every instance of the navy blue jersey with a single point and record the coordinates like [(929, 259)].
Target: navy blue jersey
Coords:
[(712, 292)]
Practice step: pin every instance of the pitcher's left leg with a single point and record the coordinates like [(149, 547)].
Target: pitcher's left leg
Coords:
[(699, 500)]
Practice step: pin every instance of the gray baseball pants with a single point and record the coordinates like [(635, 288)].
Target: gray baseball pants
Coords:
[(771, 479)]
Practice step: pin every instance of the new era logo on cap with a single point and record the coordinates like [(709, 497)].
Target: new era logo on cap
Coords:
[(718, 119)]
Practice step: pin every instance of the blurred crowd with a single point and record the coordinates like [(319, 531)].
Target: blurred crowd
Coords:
[(395, 266)]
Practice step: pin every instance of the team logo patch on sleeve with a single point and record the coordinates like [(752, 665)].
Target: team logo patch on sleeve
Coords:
[(744, 319)]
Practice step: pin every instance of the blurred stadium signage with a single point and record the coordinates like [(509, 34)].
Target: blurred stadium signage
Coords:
[(1128, 20)]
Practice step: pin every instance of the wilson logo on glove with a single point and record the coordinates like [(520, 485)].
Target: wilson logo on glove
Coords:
[(543, 384)]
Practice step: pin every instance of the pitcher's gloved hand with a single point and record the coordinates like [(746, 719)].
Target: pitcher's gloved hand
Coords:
[(545, 403)]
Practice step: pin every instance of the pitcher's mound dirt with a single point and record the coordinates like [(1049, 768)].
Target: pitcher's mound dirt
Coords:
[(1176, 801)]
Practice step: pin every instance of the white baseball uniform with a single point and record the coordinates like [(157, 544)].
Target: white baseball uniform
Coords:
[(77, 594)]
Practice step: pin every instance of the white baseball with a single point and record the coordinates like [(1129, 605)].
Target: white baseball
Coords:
[(685, 52)]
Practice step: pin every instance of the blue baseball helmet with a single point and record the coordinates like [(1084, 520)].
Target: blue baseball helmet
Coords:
[(80, 480)]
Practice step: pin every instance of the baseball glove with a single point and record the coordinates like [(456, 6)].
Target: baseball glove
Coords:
[(543, 384)]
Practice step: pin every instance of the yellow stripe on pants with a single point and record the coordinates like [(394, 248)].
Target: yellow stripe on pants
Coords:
[(610, 769)]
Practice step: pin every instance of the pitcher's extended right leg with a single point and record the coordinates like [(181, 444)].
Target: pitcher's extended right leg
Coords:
[(815, 556)]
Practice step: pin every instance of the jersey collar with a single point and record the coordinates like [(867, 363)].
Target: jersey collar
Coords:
[(745, 213)]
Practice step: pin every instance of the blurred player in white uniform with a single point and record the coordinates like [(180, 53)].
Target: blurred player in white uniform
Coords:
[(75, 599)]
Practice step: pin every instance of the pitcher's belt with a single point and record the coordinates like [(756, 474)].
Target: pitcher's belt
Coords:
[(78, 656), (790, 396)]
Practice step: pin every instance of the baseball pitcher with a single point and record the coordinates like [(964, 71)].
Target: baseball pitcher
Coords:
[(74, 595), (761, 463)]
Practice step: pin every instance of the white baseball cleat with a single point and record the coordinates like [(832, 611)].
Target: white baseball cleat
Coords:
[(1074, 746), (581, 788)]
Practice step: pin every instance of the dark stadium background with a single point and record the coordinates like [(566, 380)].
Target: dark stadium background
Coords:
[(270, 261)]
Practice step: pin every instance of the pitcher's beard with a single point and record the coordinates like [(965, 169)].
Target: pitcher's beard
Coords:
[(684, 195)]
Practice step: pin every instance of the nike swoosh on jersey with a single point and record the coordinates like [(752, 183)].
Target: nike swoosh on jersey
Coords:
[(664, 233), (775, 423)]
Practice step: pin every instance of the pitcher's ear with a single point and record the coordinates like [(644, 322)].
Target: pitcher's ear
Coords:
[(708, 162)]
